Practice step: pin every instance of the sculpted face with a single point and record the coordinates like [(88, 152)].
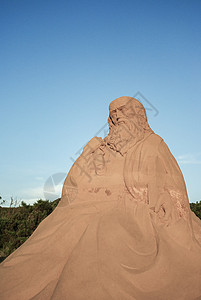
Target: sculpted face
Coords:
[(120, 126), (120, 110), (121, 114), (127, 121)]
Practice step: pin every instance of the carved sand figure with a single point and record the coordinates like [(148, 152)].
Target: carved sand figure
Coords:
[(123, 229)]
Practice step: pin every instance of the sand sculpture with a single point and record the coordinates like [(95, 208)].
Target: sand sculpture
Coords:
[(123, 229)]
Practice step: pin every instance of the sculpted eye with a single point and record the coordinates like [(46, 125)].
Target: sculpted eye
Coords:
[(122, 109)]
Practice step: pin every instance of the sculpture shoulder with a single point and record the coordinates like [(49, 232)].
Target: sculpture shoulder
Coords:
[(158, 150), (155, 146), (154, 140), (148, 147), (152, 143)]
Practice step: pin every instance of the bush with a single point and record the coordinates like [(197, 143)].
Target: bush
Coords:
[(196, 208), (18, 223)]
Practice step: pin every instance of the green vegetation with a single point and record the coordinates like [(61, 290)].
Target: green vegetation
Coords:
[(18, 223), (196, 208)]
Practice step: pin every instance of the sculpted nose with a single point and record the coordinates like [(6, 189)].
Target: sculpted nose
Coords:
[(118, 114), (115, 115)]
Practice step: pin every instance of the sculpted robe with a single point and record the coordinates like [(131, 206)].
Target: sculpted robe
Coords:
[(123, 230)]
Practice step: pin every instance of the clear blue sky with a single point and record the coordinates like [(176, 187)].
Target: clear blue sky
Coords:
[(62, 62)]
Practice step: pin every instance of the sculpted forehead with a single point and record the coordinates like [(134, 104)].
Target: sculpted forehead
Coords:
[(121, 101)]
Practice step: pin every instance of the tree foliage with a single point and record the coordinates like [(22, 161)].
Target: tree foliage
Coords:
[(196, 208), (18, 223)]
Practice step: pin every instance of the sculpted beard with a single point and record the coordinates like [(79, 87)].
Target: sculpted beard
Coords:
[(124, 132)]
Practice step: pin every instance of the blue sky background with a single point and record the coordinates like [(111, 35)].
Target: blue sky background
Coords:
[(63, 62)]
